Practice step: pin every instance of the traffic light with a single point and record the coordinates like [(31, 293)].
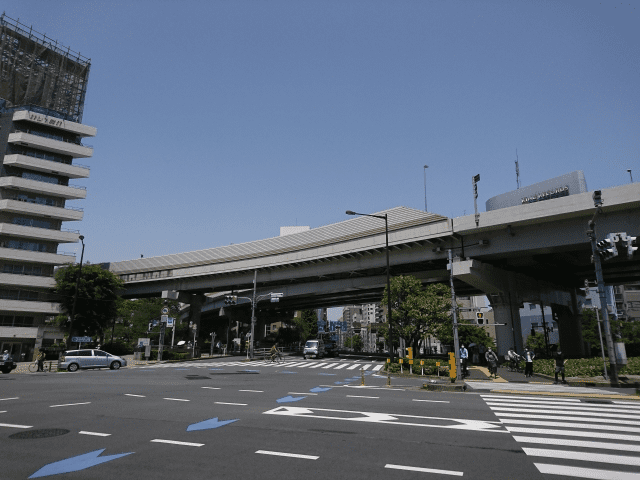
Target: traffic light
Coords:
[(607, 248), (630, 242), (230, 299), (597, 198), (480, 318)]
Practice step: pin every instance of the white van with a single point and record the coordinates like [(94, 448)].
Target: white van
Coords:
[(73, 360), (313, 348)]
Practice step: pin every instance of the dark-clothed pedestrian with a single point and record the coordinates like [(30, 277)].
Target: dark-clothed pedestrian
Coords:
[(528, 367), (492, 360), (40, 358), (560, 361)]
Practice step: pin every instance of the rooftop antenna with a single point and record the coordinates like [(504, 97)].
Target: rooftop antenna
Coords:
[(517, 170)]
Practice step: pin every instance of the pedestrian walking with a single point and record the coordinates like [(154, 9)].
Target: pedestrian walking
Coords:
[(528, 356), (40, 358), (492, 360), (464, 356), (560, 361)]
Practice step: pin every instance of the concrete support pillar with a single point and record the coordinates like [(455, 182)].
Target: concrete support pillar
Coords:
[(506, 311), (569, 328)]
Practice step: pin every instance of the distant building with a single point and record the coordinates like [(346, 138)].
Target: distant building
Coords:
[(42, 92)]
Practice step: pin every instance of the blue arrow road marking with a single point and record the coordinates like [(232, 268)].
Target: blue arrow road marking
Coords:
[(319, 389), (211, 423), (75, 464), (289, 398)]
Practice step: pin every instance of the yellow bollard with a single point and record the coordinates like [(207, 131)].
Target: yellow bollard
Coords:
[(362, 376)]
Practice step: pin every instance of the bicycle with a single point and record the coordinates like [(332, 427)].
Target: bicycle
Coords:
[(33, 367), (274, 357)]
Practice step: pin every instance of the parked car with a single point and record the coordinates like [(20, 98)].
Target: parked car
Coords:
[(6, 362), (72, 360), (313, 348)]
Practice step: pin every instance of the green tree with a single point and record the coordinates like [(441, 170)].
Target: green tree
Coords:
[(536, 342), (357, 343), (96, 304), (307, 324), (468, 333), (134, 317), (416, 312)]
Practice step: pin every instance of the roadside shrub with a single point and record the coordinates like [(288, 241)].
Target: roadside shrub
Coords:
[(119, 348)]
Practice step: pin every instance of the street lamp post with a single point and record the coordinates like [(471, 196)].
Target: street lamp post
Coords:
[(75, 295), (386, 232), (424, 169), (630, 176)]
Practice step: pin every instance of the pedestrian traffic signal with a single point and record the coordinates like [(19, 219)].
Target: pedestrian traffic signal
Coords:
[(480, 318), (607, 248), (230, 299)]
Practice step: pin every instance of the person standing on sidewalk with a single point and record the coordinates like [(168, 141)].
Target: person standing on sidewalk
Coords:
[(528, 356), (464, 356), (560, 361)]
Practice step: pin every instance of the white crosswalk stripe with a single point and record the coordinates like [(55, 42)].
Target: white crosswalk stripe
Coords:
[(604, 451), (309, 364)]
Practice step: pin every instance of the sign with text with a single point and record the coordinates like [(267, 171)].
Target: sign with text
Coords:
[(81, 339)]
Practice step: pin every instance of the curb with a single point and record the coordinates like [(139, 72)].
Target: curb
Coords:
[(435, 387)]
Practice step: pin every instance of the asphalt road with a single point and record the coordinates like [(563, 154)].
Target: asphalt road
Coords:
[(300, 420)]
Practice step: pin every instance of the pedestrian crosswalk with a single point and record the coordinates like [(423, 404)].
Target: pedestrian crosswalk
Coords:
[(571, 437), (311, 365)]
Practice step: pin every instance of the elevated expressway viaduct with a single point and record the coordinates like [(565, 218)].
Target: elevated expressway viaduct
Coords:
[(537, 252)]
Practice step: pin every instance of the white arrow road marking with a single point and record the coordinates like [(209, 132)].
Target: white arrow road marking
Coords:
[(69, 404), (10, 425), (390, 419)]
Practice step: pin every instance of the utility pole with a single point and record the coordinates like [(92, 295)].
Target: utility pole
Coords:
[(454, 309), (253, 313), (591, 233)]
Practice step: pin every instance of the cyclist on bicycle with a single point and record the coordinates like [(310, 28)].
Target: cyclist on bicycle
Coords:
[(274, 352), (40, 358)]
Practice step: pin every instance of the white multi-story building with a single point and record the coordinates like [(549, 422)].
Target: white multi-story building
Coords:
[(41, 134)]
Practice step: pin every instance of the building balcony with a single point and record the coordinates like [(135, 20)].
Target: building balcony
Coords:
[(35, 186), (50, 145), (23, 231), (22, 306), (36, 257), (46, 166), (19, 206), (26, 281), (53, 122)]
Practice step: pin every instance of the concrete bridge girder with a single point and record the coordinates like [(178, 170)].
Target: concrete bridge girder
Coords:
[(508, 290)]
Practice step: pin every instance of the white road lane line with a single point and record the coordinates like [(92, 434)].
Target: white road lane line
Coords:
[(283, 454), (95, 434), (588, 413), (341, 365), (583, 456), (3, 411), (227, 403), (177, 399), (330, 365), (294, 364), (211, 388), (432, 401), (425, 470), (254, 391), (317, 365), (573, 433), (579, 443), (12, 398), (591, 426), (175, 442), (132, 395), (360, 396), (353, 366), (69, 404), (594, 418), (591, 473), (298, 393), (377, 368), (566, 407), (10, 425), (530, 399)]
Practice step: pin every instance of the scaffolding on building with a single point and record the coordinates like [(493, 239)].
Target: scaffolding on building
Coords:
[(36, 70)]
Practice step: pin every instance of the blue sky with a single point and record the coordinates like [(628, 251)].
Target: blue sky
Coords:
[(220, 121)]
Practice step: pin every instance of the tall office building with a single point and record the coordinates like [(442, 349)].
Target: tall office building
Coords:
[(42, 92)]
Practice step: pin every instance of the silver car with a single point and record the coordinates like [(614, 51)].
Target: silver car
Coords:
[(72, 360)]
